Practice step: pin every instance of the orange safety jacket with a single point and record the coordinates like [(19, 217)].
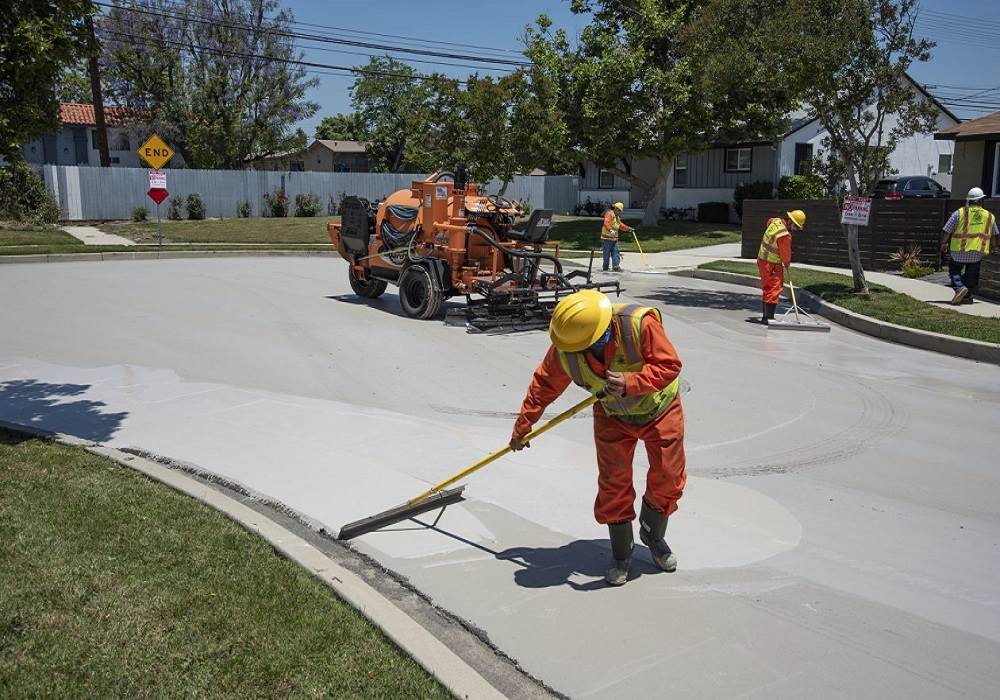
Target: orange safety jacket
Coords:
[(662, 366), (612, 225)]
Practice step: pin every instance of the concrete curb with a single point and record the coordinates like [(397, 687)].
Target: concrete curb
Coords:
[(162, 255), (436, 658), (925, 340)]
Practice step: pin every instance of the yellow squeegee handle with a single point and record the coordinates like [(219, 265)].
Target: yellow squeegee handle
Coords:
[(639, 246), (795, 304), (565, 415)]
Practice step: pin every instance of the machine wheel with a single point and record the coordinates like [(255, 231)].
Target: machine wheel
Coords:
[(369, 288), (417, 295)]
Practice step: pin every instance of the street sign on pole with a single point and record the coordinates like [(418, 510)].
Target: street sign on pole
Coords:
[(856, 210), (157, 180), (155, 152), (158, 194)]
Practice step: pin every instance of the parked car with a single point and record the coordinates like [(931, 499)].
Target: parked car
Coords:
[(909, 186)]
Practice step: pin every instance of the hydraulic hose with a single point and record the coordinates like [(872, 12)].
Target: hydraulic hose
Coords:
[(517, 253)]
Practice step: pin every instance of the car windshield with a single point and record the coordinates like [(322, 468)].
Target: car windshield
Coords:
[(885, 186)]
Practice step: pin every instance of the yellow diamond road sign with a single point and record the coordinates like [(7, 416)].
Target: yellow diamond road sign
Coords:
[(155, 152)]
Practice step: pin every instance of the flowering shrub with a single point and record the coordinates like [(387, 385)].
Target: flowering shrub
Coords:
[(276, 203)]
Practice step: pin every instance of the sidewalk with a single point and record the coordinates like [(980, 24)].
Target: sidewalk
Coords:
[(932, 292), (91, 235)]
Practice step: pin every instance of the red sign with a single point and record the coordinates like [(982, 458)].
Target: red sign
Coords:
[(158, 195)]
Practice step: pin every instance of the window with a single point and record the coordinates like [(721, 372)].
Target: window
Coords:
[(680, 171), (996, 170), (120, 142), (918, 184), (738, 160), (297, 166), (93, 139), (803, 158), (944, 163), (605, 180)]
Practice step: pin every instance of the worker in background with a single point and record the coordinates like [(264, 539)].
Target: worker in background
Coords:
[(622, 351), (969, 234), (774, 257), (610, 229)]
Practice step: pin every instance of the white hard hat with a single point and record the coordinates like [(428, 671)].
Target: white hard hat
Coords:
[(975, 194)]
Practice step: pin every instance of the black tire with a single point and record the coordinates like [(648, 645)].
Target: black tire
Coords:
[(417, 295), (370, 288)]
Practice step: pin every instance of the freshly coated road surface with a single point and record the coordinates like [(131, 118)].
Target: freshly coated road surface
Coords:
[(840, 534)]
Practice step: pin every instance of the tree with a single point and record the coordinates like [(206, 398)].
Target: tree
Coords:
[(341, 127), (438, 127), (211, 76), (855, 55), (73, 84), (489, 149), (635, 92), (384, 96), (38, 41)]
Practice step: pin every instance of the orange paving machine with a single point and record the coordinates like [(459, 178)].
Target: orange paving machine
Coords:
[(443, 238)]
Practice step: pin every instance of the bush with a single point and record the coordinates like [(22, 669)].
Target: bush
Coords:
[(174, 211), (276, 203), (244, 210), (713, 212), (801, 187), (525, 205), (140, 214), (23, 196), (306, 204), (752, 190), (678, 214), (195, 207), (331, 205), (910, 263)]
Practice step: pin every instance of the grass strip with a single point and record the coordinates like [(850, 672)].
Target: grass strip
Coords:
[(263, 230), (884, 304), (80, 248), (584, 232), (112, 585)]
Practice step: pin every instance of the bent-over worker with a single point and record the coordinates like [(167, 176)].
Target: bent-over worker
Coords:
[(968, 235), (610, 229), (774, 257), (623, 351)]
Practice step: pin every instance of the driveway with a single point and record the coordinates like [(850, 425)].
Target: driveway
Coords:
[(839, 534)]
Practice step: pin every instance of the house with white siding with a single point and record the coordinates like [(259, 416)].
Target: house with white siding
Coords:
[(713, 175)]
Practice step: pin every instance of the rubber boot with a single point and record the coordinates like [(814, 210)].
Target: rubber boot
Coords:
[(769, 311), (652, 527), (621, 552), (763, 313)]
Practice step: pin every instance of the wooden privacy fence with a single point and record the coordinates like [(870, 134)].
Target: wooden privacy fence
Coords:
[(894, 224)]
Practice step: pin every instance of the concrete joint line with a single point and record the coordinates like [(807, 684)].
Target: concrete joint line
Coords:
[(161, 255), (925, 340), (456, 675)]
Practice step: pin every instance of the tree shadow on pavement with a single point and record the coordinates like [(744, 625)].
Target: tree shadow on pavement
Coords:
[(44, 406), (545, 567), (706, 299)]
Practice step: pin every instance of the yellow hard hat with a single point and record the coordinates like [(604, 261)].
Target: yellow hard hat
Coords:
[(619, 206), (798, 217), (580, 320)]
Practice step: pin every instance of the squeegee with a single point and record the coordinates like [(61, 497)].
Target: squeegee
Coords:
[(436, 497), (795, 319)]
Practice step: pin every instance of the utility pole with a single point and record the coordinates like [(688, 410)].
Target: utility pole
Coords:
[(95, 91)]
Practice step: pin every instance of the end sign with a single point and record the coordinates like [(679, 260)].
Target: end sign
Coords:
[(155, 152)]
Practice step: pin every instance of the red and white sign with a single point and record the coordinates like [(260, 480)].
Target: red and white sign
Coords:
[(157, 180), (158, 194), (856, 210)]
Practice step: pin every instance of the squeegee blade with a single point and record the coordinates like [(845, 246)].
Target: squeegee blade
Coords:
[(399, 513)]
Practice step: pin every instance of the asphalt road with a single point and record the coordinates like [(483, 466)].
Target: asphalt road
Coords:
[(839, 535)]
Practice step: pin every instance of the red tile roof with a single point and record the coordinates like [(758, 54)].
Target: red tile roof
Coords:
[(74, 113)]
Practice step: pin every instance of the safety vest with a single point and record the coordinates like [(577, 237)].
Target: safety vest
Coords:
[(612, 233), (769, 246), (627, 324), (974, 231)]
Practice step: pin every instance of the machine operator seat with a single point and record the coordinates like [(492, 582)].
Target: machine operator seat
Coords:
[(536, 230)]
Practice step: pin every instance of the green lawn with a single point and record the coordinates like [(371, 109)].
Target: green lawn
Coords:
[(81, 248), (112, 585), (884, 304), (39, 235), (269, 230), (584, 232)]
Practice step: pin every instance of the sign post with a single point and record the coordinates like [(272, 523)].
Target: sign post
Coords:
[(157, 153), (158, 192)]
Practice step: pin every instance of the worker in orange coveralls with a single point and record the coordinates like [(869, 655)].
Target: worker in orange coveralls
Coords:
[(622, 351), (774, 257)]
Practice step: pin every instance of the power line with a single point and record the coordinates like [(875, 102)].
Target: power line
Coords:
[(319, 37)]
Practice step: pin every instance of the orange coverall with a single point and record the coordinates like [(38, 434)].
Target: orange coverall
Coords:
[(615, 439), (772, 275)]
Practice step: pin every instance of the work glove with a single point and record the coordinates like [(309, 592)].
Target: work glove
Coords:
[(517, 445)]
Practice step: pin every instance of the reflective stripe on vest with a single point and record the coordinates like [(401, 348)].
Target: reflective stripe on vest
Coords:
[(974, 231), (612, 233), (769, 245), (627, 323)]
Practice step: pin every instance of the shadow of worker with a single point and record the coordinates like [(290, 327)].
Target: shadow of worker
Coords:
[(545, 567), (48, 407)]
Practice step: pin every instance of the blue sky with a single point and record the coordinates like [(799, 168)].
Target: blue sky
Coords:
[(963, 66)]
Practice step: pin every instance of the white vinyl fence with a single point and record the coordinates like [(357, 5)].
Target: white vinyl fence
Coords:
[(88, 193)]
